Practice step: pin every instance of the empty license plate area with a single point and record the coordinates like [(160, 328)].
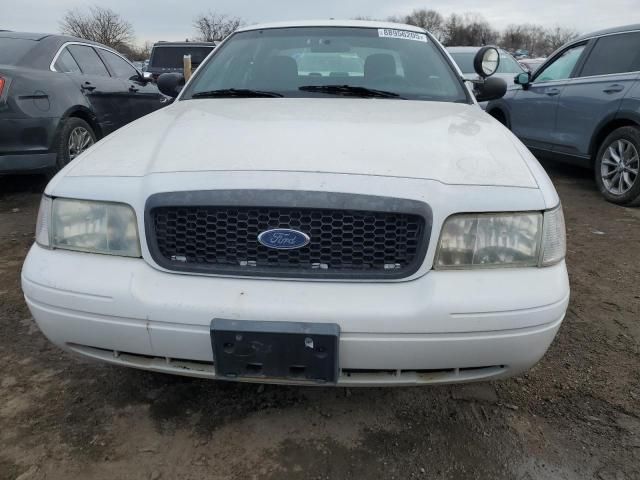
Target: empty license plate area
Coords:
[(279, 350)]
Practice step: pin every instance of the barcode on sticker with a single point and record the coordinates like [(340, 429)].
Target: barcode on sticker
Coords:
[(403, 34)]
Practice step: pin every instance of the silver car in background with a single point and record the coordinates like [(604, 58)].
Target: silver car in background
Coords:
[(508, 67)]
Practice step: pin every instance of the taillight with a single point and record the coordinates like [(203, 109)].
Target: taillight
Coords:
[(1, 85)]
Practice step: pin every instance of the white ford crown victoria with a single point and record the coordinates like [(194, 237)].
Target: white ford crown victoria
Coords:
[(323, 203)]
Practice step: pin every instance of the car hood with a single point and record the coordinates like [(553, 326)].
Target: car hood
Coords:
[(449, 142)]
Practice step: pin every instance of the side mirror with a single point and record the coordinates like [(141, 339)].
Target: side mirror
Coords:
[(486, 61), (147, 76), (491, 89), (171, 84), (523, 79), (140, 78)]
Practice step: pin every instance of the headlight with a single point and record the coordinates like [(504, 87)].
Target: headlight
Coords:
[(501, 240), (87, 226)]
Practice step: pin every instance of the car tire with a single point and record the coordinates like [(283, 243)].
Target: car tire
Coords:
[(499, 116), (617, 167), (75, 137)]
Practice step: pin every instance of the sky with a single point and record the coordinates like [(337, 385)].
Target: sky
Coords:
[(172, 20)]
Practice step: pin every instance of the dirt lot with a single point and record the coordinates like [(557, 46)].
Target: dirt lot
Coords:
[(574, 416)]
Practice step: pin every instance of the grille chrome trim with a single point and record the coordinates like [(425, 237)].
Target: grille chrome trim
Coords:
[(287, 200)]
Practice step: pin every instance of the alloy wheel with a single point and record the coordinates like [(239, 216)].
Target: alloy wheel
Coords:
[(619, 167), (79, 140)]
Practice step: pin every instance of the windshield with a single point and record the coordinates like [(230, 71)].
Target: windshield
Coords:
[(507, 63), (173, 57), (311, 62)]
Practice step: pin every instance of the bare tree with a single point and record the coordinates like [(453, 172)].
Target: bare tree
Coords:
[(468, 29), (558, 36), (430, 20), (136, 53), (535, 39), (99, 24), (213, 27)]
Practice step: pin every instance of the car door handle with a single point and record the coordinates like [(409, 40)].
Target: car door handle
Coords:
[(87, 86), (133, 89), (615, 88), (552, 92)]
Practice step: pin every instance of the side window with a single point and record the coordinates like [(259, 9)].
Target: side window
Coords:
[(118, 66), (508, 64), (88, 60), (65, 63), (562, 66), (614, 54)]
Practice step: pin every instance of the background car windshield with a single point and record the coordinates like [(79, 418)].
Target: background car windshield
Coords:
[(465, 62), (12, 50), (173, 57), (283, 60)]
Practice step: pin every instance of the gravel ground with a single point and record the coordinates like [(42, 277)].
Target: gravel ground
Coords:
[(576, 415)]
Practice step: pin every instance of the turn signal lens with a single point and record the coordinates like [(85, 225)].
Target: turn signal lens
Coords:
[(554, 237), (43, 222)]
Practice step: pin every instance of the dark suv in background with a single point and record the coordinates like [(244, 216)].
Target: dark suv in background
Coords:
[(59, 95), (168, 57), (583, 106)]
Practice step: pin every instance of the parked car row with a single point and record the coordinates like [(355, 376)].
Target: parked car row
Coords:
[(582, 106), (59, 95)]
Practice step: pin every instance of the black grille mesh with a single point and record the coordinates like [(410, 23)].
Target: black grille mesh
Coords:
[(218, 239)]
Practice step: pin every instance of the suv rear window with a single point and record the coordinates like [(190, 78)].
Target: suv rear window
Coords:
[(614, 54), (12, 50), (173, 57)]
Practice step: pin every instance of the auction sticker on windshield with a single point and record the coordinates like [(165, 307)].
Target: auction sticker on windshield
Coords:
[(403, 34)]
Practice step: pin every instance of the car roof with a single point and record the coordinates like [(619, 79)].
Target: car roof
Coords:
[(23, 35), (608, 31), (48, 36), (463, 49), (45, 46), (184, 44), (471, 49), (332, 23)]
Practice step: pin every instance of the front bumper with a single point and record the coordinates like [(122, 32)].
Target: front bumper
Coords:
[(27, 162), (440, 327), (25, 144)]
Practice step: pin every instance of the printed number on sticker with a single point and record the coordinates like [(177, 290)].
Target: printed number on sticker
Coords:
[(402, 34)]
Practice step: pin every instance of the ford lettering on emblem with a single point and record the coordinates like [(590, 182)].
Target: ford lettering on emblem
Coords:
[(283, 239)]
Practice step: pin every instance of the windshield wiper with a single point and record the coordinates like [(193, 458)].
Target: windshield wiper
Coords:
[(350, 90), (235, 92)]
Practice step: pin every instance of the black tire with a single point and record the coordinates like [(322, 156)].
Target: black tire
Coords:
[(499, 116), (71, 124), (606, 173)]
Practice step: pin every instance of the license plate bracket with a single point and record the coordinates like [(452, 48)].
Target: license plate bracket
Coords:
[(291, 351)]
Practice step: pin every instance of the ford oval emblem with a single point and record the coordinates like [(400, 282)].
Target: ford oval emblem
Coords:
[(283, 239)]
